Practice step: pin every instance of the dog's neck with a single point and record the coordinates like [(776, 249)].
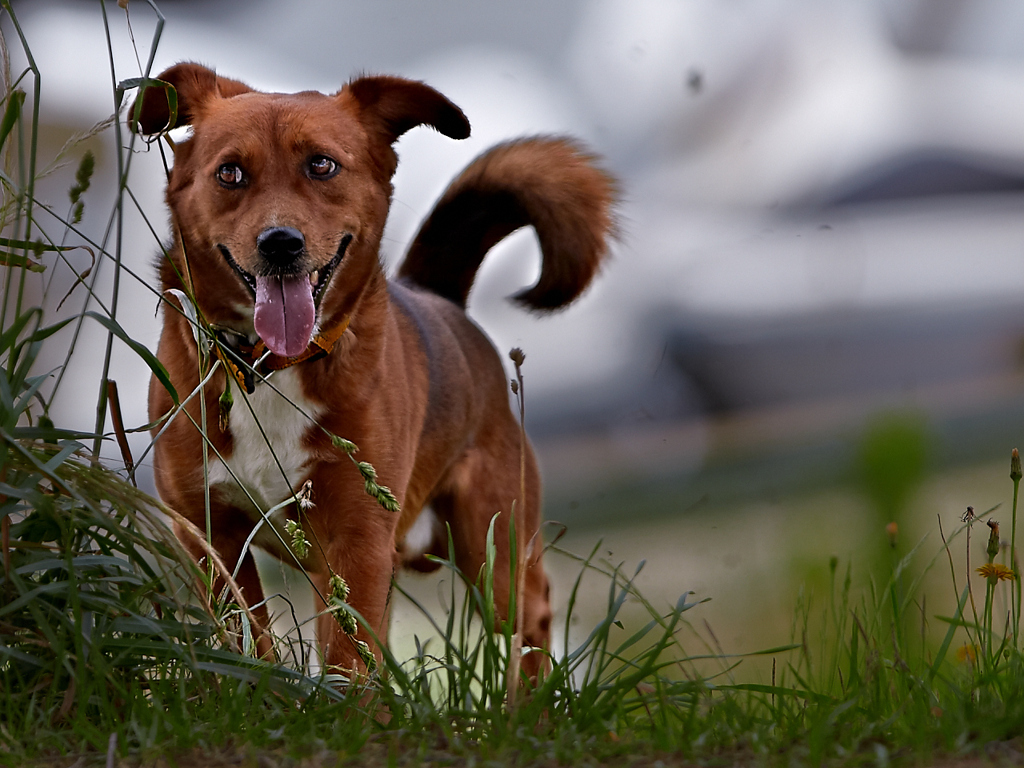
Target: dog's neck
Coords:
[(245, 361)]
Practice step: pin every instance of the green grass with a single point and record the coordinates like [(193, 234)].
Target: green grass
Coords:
[(111, 645)]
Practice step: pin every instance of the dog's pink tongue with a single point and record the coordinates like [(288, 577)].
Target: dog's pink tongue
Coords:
[(285, 314)]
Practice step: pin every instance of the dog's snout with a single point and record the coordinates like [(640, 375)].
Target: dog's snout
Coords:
[(281, 245)]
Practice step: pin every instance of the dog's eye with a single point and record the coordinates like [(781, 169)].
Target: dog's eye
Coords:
[(322, 167), (230, 175)]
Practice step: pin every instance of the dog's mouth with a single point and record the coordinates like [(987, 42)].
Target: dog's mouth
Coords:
[(286, 304)]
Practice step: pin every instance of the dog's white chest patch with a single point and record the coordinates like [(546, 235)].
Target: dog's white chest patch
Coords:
[(268, 457)]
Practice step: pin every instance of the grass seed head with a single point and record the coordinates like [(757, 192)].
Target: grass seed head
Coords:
[(300, 546), (348, 622), (366, 655), (1015, 471), (338, 588), (346, 446), (387, 499), (83, 177)]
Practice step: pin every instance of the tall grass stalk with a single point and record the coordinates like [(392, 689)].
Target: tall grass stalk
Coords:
[(1015, 476), (106, 624)]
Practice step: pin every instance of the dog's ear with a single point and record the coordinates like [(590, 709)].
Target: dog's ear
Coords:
[(396, 105), (194, 84)]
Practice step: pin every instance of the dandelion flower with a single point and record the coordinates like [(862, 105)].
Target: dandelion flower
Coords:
[(996, 572), (967, 653)]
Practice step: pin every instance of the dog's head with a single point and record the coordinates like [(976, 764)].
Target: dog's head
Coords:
[(278, 197)]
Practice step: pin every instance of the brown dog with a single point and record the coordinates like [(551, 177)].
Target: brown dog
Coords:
[(278, 203)]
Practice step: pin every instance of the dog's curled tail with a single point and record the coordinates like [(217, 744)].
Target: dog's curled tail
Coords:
[(550, 184)]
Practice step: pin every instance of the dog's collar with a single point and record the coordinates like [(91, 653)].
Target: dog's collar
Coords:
[(243, 360)]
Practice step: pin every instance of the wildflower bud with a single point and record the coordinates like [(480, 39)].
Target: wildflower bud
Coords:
[(517, 355), (892, 530), (515, 387), (1015, 473), (993, 540), (224, 410)]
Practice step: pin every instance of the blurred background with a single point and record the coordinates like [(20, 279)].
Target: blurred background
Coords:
[(813, 322)]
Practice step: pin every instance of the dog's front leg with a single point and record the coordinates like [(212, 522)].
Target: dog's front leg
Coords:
[(357, 540)]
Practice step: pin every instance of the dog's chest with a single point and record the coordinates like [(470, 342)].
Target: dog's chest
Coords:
[(269, 458)]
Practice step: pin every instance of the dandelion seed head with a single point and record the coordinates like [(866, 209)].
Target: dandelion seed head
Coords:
[(305, 496)]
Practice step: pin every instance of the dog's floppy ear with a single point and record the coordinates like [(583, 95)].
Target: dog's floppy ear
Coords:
[(397, 105), (194, 84)]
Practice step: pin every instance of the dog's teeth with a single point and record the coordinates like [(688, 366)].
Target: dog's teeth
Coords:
[(314, 277)]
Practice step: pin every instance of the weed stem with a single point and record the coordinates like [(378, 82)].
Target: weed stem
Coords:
[(1015, 475)]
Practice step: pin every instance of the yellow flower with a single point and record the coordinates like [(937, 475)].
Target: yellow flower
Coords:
[(996, 572), (967, 653)]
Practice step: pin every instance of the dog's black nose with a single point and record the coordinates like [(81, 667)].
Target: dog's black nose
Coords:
[(281, 245)]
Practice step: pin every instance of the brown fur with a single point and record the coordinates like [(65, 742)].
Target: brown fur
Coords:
[(413, 382)]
